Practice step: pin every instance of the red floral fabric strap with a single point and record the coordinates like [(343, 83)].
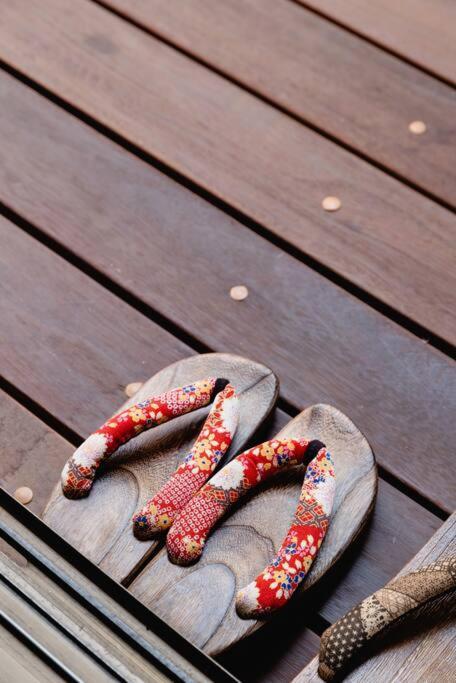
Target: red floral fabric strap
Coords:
[(215, 438), (80, 470), (275, 585)]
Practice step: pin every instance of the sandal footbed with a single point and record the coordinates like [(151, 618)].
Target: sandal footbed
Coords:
[(100, 525), (199, 601)]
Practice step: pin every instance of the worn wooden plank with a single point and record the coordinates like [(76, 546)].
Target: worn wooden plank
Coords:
[(326, 346), (49, 638), (87, 627), (426, 653), (247, 153), (365, 568), (67, 343), (78, 380), (311, 67), (422, 32), (32, 454), (20, 664)]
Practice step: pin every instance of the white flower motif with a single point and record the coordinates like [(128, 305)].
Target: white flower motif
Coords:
[(229, 477), (91, 451), (229, 413), (324, 493), (247, 600)]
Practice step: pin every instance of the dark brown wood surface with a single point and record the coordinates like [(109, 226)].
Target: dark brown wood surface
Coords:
[(272, 107), (79, 378), (311, 67), (261, 161), (83, 191), (422, 32), (31, 453)]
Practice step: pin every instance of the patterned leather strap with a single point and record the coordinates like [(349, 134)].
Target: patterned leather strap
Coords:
[(381, 611), (80, 470), (275, 585)]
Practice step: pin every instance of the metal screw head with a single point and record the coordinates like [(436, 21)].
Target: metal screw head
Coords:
[(23, 494), (331, 203), (239, 292), (417, 127), (132, 388)]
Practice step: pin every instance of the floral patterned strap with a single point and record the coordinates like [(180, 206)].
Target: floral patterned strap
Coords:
[(215, 438), (275, 585), (80, 470)]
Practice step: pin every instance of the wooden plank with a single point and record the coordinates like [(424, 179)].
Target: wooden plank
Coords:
[(422, 32), (93, 632), (49, 319), (18, 426), (85, 370), (424, 654), (247, 153), (311, 67), (32, 454), (325, 345), (20, 664), (89, 372), (50, 639)]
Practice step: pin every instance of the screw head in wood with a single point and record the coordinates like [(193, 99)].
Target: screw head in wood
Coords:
[(331, 203), (23, 494), (132, 388), (239, 292), (417, 127)]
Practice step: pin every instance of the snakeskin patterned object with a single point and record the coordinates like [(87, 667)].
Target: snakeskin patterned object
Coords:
[(377, 613)]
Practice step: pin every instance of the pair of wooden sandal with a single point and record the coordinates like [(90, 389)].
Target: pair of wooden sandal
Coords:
[(199, 600)]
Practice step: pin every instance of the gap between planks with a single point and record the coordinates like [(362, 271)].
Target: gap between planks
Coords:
[(369, 38), (395, 290), (267, 253), (422, 332), (128, 16)]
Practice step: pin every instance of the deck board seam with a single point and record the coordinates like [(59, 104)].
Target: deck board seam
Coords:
[(419, 331), (168, 325), (281, 108), (375, 43)]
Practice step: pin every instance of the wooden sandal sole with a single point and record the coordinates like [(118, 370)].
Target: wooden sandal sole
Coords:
[(100, 525), (199, 601)]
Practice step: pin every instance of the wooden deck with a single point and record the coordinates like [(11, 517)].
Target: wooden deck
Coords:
[(155, 153)]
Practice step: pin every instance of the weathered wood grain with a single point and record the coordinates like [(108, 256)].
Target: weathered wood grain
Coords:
[(424, 654), (262, 162), (19, 426), (20, 664), (139, 468), (87, 345), (329, 78), (365, 569), (83, 190), (31, 455), (91, 632), (422, 32), (72, 657), (247, 540)]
